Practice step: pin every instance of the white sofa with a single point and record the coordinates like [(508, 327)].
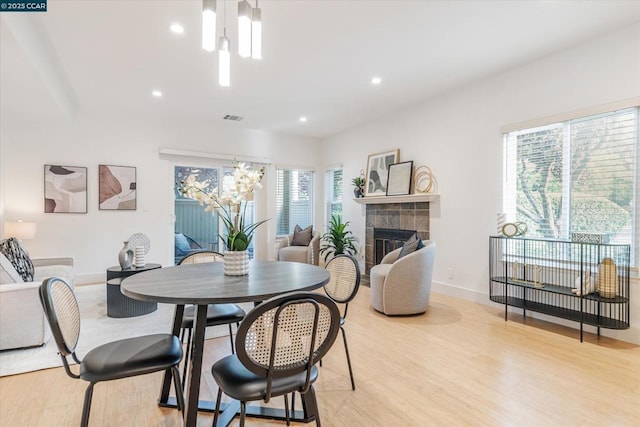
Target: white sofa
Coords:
[(22, 322)]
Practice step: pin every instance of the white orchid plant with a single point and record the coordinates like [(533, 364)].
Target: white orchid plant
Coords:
[(237, 191)]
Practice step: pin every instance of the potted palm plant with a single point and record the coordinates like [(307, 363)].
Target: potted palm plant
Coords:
[(338, 240)]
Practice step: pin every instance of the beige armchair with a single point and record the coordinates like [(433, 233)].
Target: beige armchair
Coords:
[(305, 254), (403, 286)]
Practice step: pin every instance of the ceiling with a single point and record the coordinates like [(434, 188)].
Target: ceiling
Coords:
[(103, 57)]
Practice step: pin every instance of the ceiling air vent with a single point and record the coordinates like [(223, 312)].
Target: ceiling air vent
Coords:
[(234, 118)]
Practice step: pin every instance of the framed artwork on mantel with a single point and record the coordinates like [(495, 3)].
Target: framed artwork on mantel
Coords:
[(399, 182), (378, 171)]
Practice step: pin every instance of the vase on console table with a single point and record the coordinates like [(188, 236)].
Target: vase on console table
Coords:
[(236, 263), (125, 257)]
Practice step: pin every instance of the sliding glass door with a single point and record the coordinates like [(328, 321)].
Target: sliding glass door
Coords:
[(195, 229)]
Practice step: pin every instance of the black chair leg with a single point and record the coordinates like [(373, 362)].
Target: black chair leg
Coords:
[(86, 408), (178, 387), (346, 350), (286, 410), (243, 412), (231, 338), (215, 414)]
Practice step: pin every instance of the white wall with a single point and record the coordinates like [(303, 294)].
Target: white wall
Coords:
[(458, 135), (94, 239)]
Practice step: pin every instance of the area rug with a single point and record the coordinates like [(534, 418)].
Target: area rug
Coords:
[(95, 329)]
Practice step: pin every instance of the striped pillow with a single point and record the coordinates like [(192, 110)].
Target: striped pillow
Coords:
[(18, 257)]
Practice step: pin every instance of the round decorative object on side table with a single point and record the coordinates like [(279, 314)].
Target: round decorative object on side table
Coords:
[(514, 229), (510, 229), (139, 239)]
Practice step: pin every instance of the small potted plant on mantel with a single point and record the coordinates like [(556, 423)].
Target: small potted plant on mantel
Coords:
[(358, 184)]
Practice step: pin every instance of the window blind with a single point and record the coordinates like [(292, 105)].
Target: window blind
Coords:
[(334, 186), (294, 199)]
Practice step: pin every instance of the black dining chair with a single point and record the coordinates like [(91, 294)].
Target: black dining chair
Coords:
[(277, 346), (124, 358), (217, 314), (344, 282)]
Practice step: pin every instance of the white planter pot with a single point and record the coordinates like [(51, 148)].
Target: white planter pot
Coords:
[(236, 263)]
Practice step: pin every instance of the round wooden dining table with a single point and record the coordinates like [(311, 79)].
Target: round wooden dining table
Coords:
[(206, 283)]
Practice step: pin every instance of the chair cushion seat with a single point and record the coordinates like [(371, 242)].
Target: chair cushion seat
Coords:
[(241, 384), (130, 357), (294, 254), (217, 314)]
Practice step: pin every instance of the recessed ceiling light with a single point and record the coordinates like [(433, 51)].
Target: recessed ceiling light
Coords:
[(303, 119), (156, 93), (376, 81), (177, 28)]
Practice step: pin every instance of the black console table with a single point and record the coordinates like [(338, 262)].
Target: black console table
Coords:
[(546, 276), (119, 305)]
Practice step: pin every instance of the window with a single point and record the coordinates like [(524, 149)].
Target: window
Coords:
[(294, 199), (579, 175), (333, 193)]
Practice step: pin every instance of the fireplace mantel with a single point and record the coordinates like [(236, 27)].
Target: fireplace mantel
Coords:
[(410, 198)]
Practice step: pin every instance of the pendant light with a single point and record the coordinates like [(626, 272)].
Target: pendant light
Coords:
[(224, 55), (244, 29), (209, 25), (256, 32)]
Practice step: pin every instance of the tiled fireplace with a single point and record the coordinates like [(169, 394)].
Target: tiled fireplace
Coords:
[(393, 223)]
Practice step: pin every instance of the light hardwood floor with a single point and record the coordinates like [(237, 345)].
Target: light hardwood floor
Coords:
[(460, 364)]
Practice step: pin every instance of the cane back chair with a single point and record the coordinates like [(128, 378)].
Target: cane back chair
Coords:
[(277, 345), (115, 360), (344, 282)]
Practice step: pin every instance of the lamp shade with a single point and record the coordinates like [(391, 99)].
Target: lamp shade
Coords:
[(21, 230)]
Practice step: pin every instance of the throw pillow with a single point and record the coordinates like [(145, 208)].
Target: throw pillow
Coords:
[(302, 237), (181, 244), (411, 245), (18, 257)]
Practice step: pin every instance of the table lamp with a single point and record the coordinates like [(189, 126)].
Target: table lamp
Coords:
[(21, 230)]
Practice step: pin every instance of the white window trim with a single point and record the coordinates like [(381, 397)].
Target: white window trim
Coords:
[(576, 114)]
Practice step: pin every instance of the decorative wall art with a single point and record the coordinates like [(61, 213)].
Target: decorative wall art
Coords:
[(399, 182), (65, 189), (117, 186), (378, 171)]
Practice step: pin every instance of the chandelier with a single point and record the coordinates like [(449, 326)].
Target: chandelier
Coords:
[(249, 35)]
